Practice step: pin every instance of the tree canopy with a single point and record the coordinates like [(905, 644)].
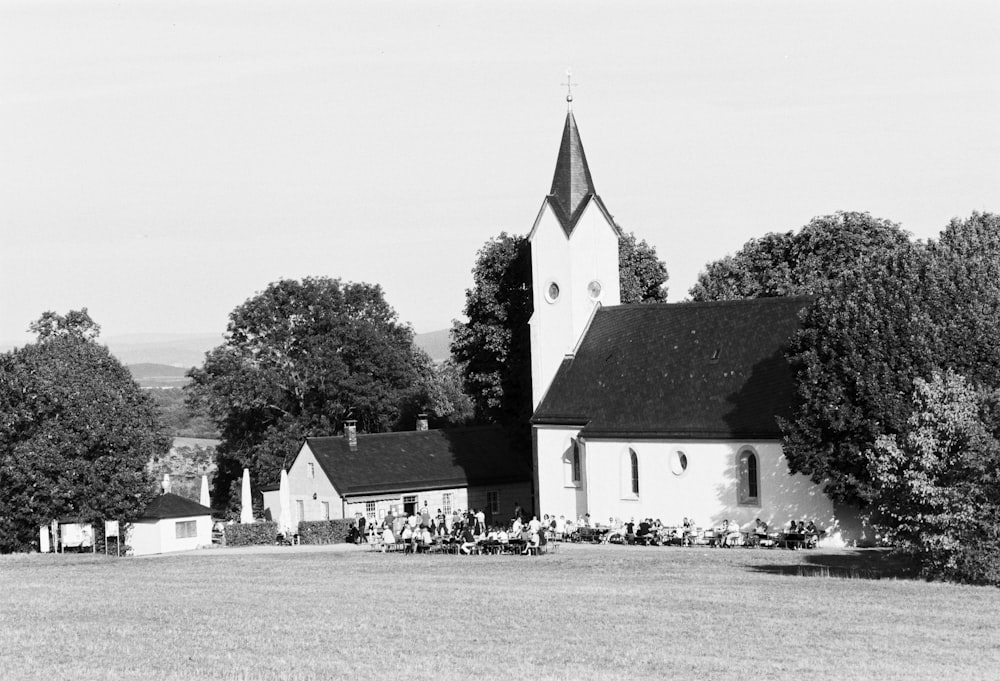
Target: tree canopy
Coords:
[(76, 432), (299, 359), (493, 346)]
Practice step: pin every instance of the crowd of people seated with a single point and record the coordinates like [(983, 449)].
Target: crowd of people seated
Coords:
[(729, 533), (468, 532), (464, 531)]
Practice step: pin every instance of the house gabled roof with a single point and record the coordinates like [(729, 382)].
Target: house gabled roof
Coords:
[(172, 506), (419, 460), (681, 370)]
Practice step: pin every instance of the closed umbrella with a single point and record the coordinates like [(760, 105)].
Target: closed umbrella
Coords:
[(246, 504), (205, 500), (285, 501)]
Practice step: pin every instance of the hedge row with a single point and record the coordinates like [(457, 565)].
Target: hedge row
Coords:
[(260, 532), (324, 531)]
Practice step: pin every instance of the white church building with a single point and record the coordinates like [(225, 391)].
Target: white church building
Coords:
[(662, 410)]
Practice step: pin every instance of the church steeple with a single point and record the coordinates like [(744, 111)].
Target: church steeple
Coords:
[(572, 186)]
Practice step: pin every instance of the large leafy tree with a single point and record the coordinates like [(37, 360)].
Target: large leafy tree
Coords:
[(493, 346), (965, 297), (804, 262), (860, 347), (76, 432), (299, 359)]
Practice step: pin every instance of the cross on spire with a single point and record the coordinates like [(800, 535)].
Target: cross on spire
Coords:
[(569, 89)]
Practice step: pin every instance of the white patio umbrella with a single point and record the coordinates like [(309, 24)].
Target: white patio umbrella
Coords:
[(166, 483), (246, 503), (205, 500), (285, 501)]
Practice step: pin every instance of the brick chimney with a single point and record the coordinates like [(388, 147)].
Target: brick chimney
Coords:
[(421, 421), (351, 433)]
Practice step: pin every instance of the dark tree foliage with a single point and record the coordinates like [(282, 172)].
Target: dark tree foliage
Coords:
[(440, 396), (178, 419), (493, 346), (965, 299), (805, 262), (861, 345), (641, 275), (299, 359), (76, 432)]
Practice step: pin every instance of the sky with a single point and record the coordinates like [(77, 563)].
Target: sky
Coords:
[(162, 162)]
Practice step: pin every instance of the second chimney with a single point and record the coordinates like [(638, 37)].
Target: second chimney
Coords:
[(351, 433), (421, 421)]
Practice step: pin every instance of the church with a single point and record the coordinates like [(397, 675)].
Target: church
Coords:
[(664, 411)]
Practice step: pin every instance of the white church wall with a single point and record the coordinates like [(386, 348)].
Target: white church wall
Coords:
[(556, 491), (707, 490)]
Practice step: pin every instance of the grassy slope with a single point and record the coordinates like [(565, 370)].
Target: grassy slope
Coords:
[(585, 612)]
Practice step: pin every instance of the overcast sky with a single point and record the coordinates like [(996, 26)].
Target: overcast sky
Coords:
[(160, 162)]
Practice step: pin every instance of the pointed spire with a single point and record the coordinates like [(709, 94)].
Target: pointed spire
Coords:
[(572, 185)]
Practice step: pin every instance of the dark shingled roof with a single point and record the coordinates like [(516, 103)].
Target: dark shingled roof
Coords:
[(172, 506), (691, 370), (572, 185), (419, 460)]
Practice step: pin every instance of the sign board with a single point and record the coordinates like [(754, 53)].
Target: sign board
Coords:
[(110, 528)]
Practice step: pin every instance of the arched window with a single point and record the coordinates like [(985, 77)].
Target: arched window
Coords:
[(634, 462), (749, 477)]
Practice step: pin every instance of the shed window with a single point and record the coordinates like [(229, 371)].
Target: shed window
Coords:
[(186, 529)]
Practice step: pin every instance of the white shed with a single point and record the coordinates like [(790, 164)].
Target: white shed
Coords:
[(171, 523)]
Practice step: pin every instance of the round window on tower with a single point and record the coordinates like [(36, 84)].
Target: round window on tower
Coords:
[(552, 292), (594, 290)]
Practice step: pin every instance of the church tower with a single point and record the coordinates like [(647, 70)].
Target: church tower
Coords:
[(574, 260)]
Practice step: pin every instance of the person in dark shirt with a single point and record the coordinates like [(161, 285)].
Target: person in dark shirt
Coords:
[(468, 540)]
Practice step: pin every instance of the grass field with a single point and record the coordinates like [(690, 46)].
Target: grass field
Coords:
[(602, 612)]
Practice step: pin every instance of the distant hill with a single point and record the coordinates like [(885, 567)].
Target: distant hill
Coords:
[(437, 344), (149, 375), (175, 349)]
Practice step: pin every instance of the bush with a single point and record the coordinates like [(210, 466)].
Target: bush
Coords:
[(260, 532), (324, 531)]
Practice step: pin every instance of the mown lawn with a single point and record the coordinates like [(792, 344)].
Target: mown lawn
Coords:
[(607, 612)]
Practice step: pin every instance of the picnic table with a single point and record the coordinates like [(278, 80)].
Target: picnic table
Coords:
[(589, 534)]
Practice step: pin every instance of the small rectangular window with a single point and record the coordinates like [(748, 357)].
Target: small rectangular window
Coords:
[(312, 470), (576, 461), (370, 509), (493, 501), (186, 529), (446, 503), (300, 509), (326, 510)]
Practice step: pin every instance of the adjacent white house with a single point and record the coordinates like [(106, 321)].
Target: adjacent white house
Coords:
[(665, 410), (170, 523), (447, 469)]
